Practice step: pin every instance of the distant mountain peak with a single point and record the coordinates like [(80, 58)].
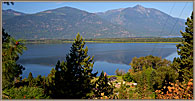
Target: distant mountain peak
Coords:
[(141, 9), (138, 7), (67, 7), (9, 13), (12, 11), (9, 10), (142, 21)]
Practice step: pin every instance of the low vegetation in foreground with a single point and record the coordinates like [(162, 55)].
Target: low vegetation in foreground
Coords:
[(150, 77)]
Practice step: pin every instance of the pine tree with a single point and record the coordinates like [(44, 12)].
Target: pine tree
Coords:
[(103, 86), (184, 63), (11, 49), (73, 76), (5, 36), (38, 81), (50, 83), (30, 79)]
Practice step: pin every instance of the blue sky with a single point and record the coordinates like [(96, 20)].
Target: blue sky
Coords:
[(34, 7)]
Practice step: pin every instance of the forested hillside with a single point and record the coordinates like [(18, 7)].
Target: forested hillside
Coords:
[(120, 23), (144, 21)]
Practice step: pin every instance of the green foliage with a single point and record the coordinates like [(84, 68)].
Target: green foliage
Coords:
[(119, 72), (148, 74), (30, 79), (11, 49), (133, 93), (38, 80), (24, 93), (148, 61), (127, 77), (151, 73), (103, 86), (162, 76), (122, 92), (50, 83), (184, 63), (5, 36), (73, 76), (144, 82)]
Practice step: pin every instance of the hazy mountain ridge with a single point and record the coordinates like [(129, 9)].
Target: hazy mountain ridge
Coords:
[(144, 21), (65, 22), (10, 13)]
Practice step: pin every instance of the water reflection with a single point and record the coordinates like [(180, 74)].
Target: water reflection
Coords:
[(107, 56)]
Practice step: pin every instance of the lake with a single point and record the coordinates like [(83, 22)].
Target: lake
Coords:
[(41, 58)]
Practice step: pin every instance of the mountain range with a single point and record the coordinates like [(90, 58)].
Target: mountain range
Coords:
[(66, 22)]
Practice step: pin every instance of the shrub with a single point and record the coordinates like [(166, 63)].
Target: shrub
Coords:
[(24, 93), (127, 77), (162, 76), (122, 91), (176, 91), (148, 61)]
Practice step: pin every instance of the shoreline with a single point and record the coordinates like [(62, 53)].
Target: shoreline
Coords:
[(92, 42)]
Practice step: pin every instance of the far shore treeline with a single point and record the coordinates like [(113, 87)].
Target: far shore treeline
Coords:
[(109, 40)]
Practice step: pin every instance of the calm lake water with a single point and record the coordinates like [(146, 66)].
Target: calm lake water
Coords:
[(41, 58)]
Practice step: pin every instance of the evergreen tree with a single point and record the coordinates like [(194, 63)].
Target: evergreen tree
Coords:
[(144, 81), (142, 85), (184, 63), (38, 81), (11, 49), (103, 86), (30, 79), (50, 83), (73, 76), (5, 36)]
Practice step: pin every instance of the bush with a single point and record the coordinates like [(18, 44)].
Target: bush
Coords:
[(176, 91), (127, 77), (122, 91), (143, 79), (162, 76), (24, 93), (149, 61)]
